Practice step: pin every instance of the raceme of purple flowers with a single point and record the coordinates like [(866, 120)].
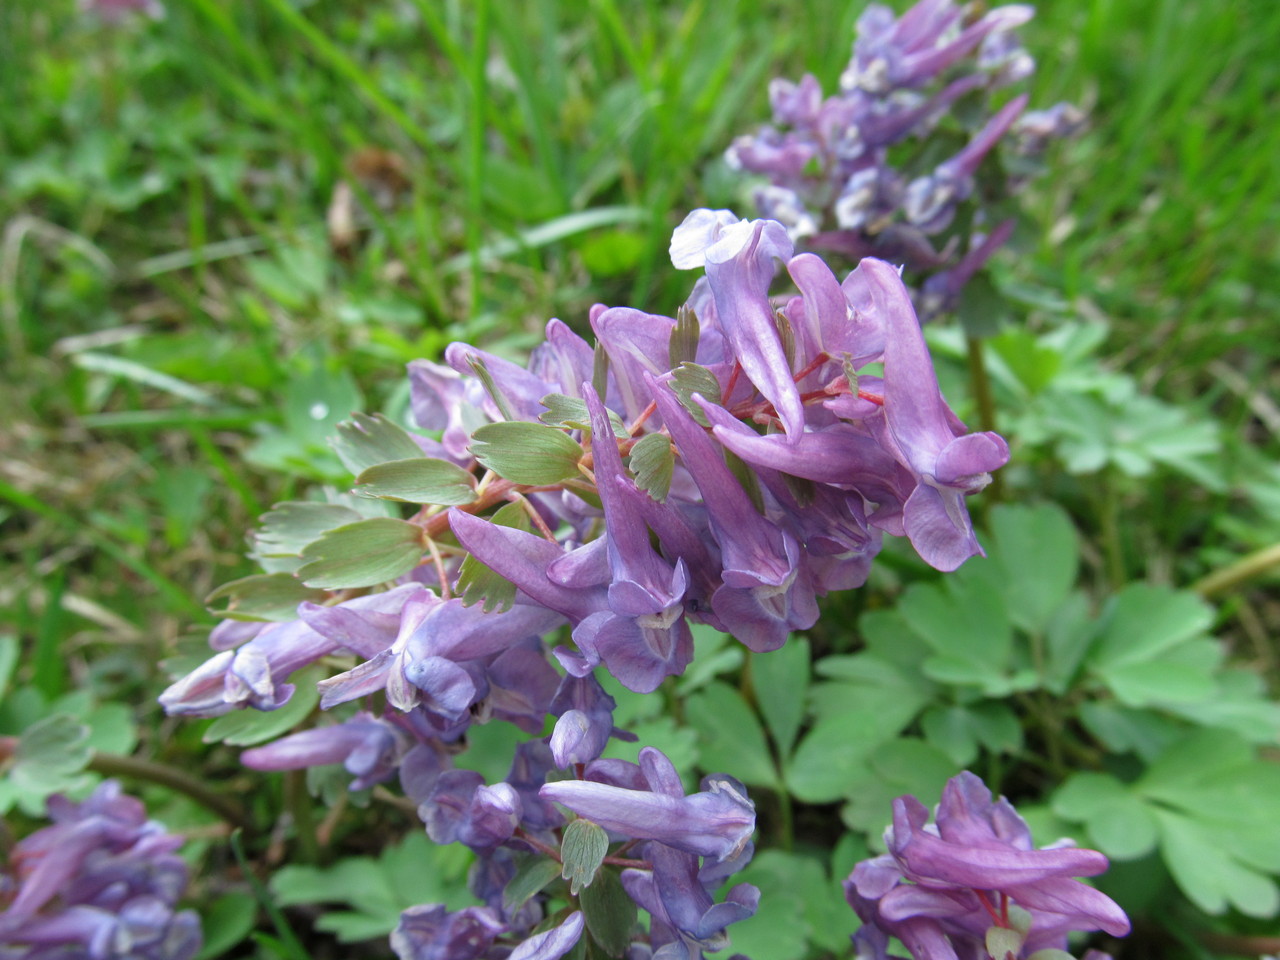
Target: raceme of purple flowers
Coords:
[(943, 888), (101, 882), (726, 467), (859, 173)]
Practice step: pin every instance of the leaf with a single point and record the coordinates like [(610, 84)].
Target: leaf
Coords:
[(1143, 621), (690, 378), (289, 527), (1037, 550), (799, 906), (571, 413), (1118, 822), (582, 850), (653, 462), (968, 629), (1166, 680), (362, 554), (226, 922), (49, 758), (378, 890), (609, 912), (363, 442), (781, 680), (903, 765), (477, 583), (533, 873), (418, 480), (522, 452), (263, 596), (1211, 878), (730, 739)]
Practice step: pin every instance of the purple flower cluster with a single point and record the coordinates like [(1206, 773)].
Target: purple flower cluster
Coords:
[(101, 882), (943, 888), (855, 172), (727, 467)]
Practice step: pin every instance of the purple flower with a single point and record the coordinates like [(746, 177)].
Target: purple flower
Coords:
[(923, 434), (716, 822), (941, 887), (102, 882), (369, 747)]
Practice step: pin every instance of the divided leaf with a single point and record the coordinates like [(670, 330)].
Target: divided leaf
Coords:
[(653, 462), (523, 452), (264, 596), (288, 527), (571, 413), (362, 554), (690, 378), (365, 441), (418, 480), (582, 850)]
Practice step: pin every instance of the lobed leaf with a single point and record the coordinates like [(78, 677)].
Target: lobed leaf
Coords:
[(366, 441), (263, 596), (418, 480), (653, 462), (582, 851), (362, 554), (533, 453)]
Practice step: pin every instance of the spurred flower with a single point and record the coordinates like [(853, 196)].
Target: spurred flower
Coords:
[(942, 886)]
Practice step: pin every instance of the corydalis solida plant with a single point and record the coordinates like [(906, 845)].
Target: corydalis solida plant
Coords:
[(727, 466), (859, 172)]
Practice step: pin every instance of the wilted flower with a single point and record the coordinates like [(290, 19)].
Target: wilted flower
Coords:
[(943, 886)]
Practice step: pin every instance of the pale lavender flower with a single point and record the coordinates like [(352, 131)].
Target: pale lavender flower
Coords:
[(942, 886), (369, 747), (716, 822)]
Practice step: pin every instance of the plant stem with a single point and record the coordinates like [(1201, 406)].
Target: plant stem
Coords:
[(981, 384), (117, 765), (1246, 568)]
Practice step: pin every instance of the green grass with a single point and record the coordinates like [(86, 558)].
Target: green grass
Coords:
[(167, 288)]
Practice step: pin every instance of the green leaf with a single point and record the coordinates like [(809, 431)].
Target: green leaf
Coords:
[(1209, 876), (609, 912), (263, 596), (690, 378), (800, 906), (967, 626), (571, 413), (522, 452), (533, 873), (377, 890), (730, 739), (582, 850), (362, 554), (248, 727), (49, 758), (903, 765), (477, 583), (1119, 823), (982, 310), (653, 462), (287, 528), (226, 923), (363, 442), (1182, 675), (1036, 549), (1142, 622), (781, 682), (418, 480)]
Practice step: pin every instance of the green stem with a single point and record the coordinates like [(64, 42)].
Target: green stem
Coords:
[(982, 395), (299, 803), (1246, 568), (1111, 542), (118, 765)]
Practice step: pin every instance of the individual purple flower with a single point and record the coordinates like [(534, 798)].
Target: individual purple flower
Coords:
[(717, 822), (101, 882), (369, 747), (942, 886), (430, 932), (923, 434)]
